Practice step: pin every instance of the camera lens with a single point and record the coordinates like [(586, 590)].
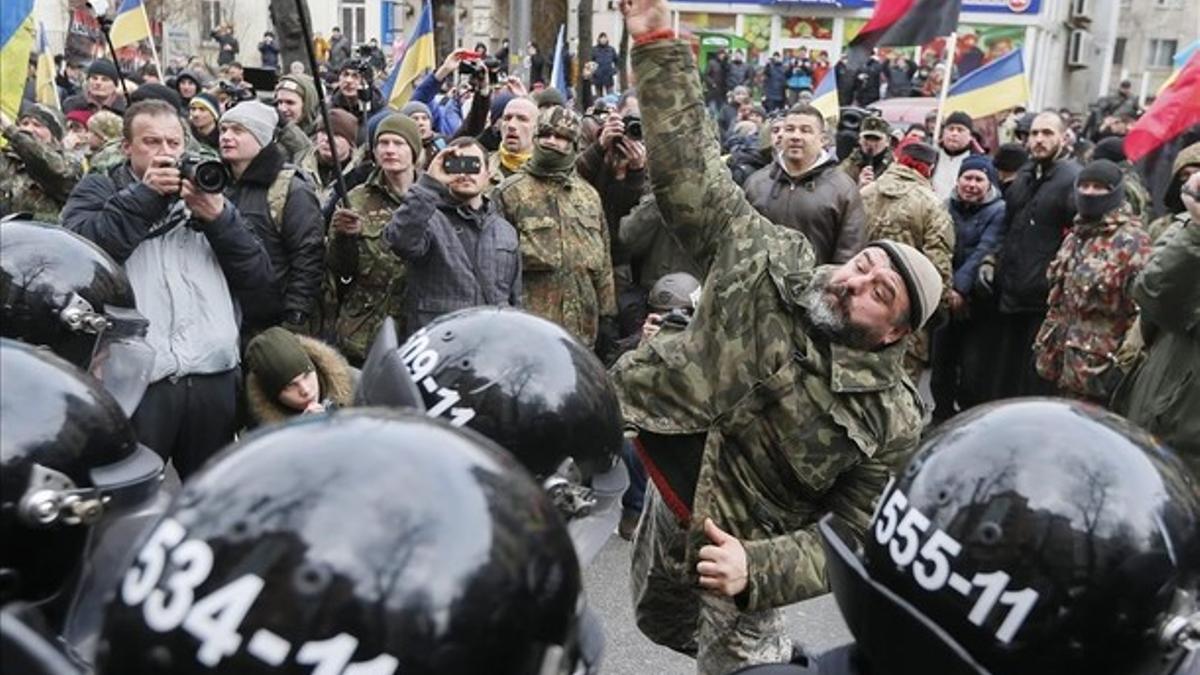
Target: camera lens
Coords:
[(210, 176)]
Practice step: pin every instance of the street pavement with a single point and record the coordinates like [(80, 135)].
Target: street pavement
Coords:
[(814, 623)]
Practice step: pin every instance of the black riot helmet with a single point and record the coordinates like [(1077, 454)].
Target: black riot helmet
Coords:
[(364, 541), (61, 291), (68, 459), (1034, 536), (525, 383)]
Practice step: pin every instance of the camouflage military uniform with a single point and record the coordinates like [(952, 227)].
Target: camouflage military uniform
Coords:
[(110, 155), (566, 269), (366, 280), (34, 177), (496, 171), (1090, 305), (856, 161), (902, 206), (1187, 157), (791, 426)]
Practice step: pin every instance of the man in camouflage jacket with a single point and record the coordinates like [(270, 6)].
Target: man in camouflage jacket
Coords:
[(873, 155), (366, 281), (567, 274), (36, 175), (901, 205), (1090, 304), (754, 421)]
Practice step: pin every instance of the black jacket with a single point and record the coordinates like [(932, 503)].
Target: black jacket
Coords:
[(296, 246), (1040, 211), (618, 196), (430, 231)]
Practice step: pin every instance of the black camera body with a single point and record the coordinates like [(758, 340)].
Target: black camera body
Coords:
[(633, 127), (463, 164), (208, 175)]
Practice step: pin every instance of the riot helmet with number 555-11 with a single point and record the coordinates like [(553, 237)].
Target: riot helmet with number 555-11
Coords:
[(367, 541), (525, 383), (1033, 536)]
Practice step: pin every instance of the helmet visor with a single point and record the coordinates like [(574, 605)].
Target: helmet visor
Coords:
[(889, 629), (123, 359)]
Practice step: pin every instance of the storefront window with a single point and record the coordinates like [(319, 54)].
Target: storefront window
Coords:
[(705, 21)]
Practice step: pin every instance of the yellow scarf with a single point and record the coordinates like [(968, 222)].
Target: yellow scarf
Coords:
[(513, 161)]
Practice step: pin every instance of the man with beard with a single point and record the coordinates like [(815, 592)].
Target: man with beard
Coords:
[(516, 139), (296, 103), (1040, 207), (804, 190), (567, 270), (955, 146), (873, 154), (36, 174), (783, 400)]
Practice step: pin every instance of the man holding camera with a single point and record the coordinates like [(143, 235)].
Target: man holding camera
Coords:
[(460, 252), (567, 270), (356, 91), (279, 202), (185, 251)]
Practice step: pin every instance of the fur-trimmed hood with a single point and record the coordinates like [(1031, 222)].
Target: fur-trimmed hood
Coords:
[(333, 372)]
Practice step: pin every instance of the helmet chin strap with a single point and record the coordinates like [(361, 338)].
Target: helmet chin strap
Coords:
[(53, 498)]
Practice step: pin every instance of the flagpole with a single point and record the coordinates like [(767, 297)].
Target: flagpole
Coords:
[(951, 45), (153, 50)]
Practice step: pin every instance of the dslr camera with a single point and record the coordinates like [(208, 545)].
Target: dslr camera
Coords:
[(208, 175), (633, 127)]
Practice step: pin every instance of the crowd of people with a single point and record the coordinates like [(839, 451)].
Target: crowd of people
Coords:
[(737, 317)]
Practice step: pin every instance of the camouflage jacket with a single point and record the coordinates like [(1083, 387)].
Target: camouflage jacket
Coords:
[(366, 278), (35, 177), (855, 162), (298, 148), (794, 427), (1136, 194), (901, 206), (1090, 307), (566, 268)]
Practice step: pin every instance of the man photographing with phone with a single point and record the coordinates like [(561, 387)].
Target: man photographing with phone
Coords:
[(460, 251)]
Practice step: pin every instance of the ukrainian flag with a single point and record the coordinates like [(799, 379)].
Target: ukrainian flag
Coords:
[(17, 36), (47, 90), (825, 98), (418, 58), (131, 24), (997, 86)]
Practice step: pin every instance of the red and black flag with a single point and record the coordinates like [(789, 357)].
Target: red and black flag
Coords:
[(905, 23)]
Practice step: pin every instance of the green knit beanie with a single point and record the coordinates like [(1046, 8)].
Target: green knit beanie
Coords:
[(277, 357), (403, 126)]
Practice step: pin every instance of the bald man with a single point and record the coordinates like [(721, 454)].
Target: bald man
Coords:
[(1041, 208)]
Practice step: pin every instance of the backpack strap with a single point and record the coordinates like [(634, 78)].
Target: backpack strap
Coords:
[(277, 194)]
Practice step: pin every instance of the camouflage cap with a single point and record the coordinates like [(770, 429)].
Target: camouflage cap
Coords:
[(559, 121), (46, 116), (875, 126)]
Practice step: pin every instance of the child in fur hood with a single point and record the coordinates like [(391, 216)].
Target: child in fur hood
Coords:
[(291, 375)]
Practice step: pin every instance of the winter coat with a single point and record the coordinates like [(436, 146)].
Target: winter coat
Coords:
[(738, 73), (775, 81), (790, 426), (443, 276), (978, 231), (269, 53), (1040, 207), (295, 243), (899, 79), (447, 116), (334, 375), (606, 64), (1163, 396), (181, 271), (1090, 307), (822, 203), (617, 197), (714, 80), (945, 173), (654, 249)]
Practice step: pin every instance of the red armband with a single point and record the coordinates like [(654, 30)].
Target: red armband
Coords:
[(654, 36)]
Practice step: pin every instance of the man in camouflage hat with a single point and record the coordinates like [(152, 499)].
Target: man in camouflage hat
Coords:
[(366, 281), (296, 103), (566, 267), (784, 400), (873, 154), (36, 174), (902, 206)]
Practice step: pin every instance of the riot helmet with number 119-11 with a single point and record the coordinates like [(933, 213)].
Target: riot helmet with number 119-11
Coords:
[(1034, 536)]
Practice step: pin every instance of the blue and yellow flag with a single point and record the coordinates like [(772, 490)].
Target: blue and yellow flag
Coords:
[(997, 86), (47, 89), (825, 98), (418, 57), (17, 36), (130, 25)]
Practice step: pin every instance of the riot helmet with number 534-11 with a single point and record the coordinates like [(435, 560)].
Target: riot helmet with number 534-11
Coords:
[(525, 383), (366, 542), (1034, 536)]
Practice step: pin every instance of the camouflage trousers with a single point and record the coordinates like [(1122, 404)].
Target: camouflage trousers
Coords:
[(672, 611)]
